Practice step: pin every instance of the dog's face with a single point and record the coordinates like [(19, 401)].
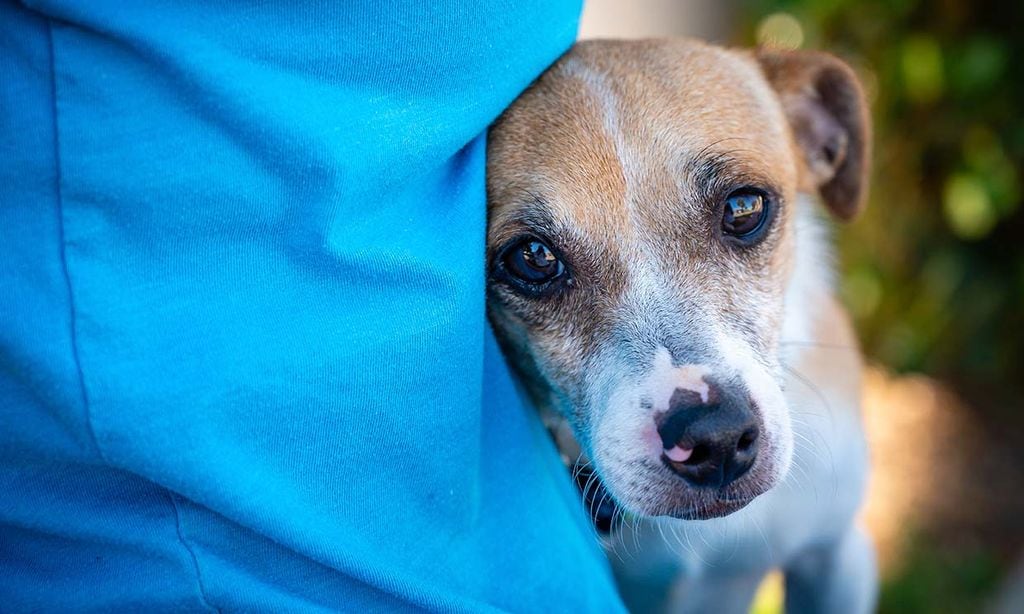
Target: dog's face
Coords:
[(640, 242)]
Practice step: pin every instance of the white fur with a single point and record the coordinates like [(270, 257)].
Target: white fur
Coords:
[(804, 525), (626, 419), (812, 277), (764, 389), (647, 281), (665, 379)]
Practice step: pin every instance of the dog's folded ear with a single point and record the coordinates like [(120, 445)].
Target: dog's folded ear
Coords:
[(825, 107)]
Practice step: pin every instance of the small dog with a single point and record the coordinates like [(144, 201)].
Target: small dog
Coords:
[(659, 280)]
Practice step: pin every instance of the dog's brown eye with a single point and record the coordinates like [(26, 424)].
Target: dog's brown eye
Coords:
[(532, 262), (745, 214)]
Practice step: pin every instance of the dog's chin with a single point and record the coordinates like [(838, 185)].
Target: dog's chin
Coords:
[(713, 509), (677, 501), (687, 503)]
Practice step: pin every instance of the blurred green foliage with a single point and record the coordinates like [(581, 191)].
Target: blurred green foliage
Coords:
[(939, 581), (934, 269)]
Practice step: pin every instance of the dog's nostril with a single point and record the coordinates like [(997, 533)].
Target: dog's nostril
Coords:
[(746, 440), (700, 454)]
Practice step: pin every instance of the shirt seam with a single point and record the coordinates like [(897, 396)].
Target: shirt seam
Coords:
[(192, 554), (62, 237)]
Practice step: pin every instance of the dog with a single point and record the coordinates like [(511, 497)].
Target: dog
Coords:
[(659, 280)]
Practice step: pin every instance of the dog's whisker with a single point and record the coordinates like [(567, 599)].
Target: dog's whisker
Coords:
[(661, 531), (824, 400), (820, 345), (760, 530), (811, 446), (805, 478)]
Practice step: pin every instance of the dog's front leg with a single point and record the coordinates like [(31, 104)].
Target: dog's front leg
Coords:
[(838, 578), (722, 593)]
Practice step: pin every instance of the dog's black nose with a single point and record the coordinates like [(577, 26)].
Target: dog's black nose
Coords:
[(710, 444)]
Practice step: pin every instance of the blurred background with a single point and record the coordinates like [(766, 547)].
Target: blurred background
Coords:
[(933, 272)]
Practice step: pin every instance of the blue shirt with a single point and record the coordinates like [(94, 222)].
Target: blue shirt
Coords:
[(244, 363)]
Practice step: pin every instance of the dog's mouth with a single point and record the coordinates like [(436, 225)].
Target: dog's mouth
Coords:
[(716, 508), (607, 514), (602, 508)]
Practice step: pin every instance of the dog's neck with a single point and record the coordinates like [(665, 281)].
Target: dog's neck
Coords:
[(811, 281)]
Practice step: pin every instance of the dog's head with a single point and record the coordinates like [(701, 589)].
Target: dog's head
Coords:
[(640, 242)]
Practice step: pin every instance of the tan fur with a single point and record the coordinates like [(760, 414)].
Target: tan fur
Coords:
[(555, 133)]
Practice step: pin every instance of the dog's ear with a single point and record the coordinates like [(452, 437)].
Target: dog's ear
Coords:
[(826, 110)]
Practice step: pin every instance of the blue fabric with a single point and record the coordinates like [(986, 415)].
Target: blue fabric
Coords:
[(244, 363)]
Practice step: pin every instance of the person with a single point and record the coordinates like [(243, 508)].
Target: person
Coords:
[(244, 361)]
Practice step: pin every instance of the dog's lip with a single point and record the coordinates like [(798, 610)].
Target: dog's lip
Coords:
[(721, 506)]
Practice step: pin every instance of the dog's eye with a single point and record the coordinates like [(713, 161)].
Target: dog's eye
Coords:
[(745, 213), (532, 262)]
